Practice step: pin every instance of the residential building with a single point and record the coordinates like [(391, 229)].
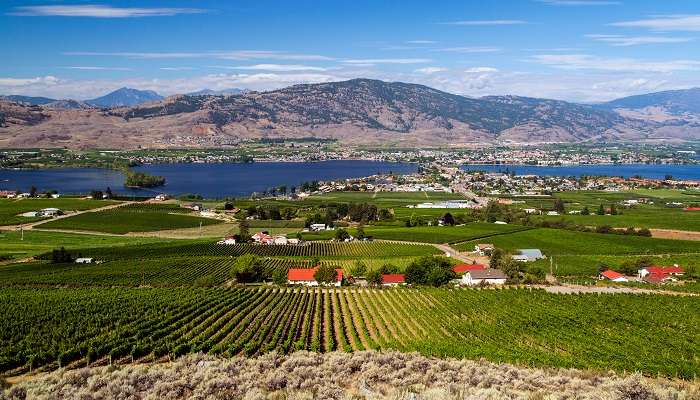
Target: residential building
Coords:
[(393, 279), (487, 276), (305, 276), (612, 276)]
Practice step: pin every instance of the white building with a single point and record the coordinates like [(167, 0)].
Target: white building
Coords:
[(488, 276), (83, 260)]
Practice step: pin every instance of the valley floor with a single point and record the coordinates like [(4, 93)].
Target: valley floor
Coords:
[(359, 375)]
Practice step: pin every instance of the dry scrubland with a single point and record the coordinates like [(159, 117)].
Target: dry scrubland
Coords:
[(360, 375)]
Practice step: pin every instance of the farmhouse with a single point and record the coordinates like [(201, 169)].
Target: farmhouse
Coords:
[(261, 237), (305, 276), (83, 260), (49, 212), (612, 276), (487, 276), (483, 248), (393, 279), (317, 227), (528, 255), (464, 268), (656, 274)]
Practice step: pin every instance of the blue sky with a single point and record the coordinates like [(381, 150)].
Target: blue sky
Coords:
[(578, 50)]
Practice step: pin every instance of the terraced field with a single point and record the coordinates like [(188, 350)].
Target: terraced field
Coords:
[(520, 326)]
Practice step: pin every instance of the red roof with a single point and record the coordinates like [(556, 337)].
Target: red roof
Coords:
[(655, 278), (462, 268), (307, 274), (393, 278), (691, 209), (655, 269), (610, 274)]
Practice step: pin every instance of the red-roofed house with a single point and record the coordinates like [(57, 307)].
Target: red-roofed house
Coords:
[(393, 279), (657, 274), (261, 237), (464, 268), (612, 276), (305, 276)]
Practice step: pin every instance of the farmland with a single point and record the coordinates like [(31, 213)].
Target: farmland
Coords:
[(10, 209), (520, 326), (132, 218)]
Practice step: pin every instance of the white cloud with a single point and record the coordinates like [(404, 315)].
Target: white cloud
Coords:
[(421, 42), (374, 61), (16, 82), (581, 2), (620, 40), (480, 70), (276, 67), (689, 23), (430, 70), (588, 62), (176, 68), (100, 11), (484, 22), (223, 55), (90, 68), (473, 49)]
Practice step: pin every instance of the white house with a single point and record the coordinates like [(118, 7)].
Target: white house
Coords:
[(161, 197), (483, 248), (488, 276), (552, 213), (83, 260), (228, 240), (279, 240), (49, 212), (318, 227)]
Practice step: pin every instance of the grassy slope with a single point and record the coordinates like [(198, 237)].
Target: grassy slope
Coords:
[(10, 208)]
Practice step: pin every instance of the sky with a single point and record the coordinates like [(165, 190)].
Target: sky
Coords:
[(575, 50)]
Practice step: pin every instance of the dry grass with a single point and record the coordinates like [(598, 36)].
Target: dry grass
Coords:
[(360, 375)]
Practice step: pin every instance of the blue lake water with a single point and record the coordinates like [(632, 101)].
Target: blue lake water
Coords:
[(652, 171), (208, 180)]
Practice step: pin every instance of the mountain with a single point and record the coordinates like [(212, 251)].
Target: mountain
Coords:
[(125, 97), (224, 92), (660, 106), (358, 111), (34, 101)]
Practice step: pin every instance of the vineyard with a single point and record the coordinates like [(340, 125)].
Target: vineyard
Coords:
[(60, 327), (132, 218), (199, 248), (11, 209)]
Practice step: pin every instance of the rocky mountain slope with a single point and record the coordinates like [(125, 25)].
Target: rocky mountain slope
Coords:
[(358, 111), (125, 97)]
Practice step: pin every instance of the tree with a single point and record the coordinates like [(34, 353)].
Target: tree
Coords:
[(341, 234), (279, 276), (96, 194), (326, 274), (386, 215), (429, 270), (613, 210), (585, 211), (374, 277), (448, 219), (497, 255), (32, 191), (360, 234), (61, 256), (108, 192), (228, 206), (248, 268), (358, 268), (601, 210), (243, 231), (559, 206)]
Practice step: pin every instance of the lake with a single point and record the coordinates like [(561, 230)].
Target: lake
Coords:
[(209, 180), (653, 171)]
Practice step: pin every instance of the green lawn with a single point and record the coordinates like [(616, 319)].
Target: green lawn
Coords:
[(141, 218), (11, 208)]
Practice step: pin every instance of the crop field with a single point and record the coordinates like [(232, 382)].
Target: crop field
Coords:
[(201, 248), (442, 234), (587, 265), (386, 199), (564, 242), (10, 209), (132, 218), (14, 244), (160, 272), (529, 327)]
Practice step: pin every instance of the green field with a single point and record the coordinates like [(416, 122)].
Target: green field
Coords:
[(442, 234), (564, 242), (10, 209), (34, 242), (600, 332), (587, 265), (132, 218)]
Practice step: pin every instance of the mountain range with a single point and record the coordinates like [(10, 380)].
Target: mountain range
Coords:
[(358, 111)]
